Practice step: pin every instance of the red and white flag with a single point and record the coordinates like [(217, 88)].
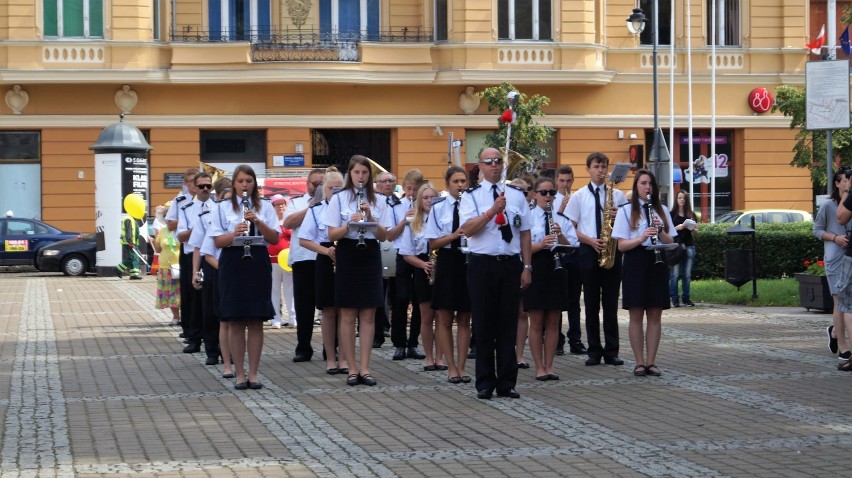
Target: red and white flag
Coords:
[(817, 44)]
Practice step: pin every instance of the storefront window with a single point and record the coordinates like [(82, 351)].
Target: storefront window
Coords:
[(703, 172)]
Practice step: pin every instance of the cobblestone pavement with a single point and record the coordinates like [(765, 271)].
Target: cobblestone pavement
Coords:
[(93, 383)]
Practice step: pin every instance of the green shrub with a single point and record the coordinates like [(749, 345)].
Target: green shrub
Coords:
[(781, 249)]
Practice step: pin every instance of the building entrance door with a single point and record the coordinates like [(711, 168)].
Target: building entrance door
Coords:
[(334, 147), (20, 174)]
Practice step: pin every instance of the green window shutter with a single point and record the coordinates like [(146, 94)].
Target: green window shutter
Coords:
[(50, 27), (96, 18), (72, 18)]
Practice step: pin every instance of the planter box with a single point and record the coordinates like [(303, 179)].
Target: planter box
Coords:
[(814, 292)]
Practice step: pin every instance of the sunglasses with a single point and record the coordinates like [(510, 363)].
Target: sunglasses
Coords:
[(491, 161), (545, 192), (385, 181), (204, 186)]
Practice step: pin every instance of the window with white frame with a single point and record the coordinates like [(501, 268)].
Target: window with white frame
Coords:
[(664, 19), (350, 19), (74, 18), (524, 20), (727, 22)]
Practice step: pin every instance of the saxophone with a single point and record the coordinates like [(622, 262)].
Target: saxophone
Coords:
[(606, 258)]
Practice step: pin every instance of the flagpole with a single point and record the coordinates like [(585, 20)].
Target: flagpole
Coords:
[(689, 101), (829, 154), (714, 39), (670, 184)]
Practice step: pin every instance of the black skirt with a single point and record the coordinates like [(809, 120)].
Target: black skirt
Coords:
[(644, 284), (548, 290), (450, 292), (422, 288), (324, 280), (245, 286), (358, 278)]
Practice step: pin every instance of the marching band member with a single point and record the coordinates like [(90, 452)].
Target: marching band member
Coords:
[(358, 277), (209, 254), (401, 212), (415, 250), (450, 296), (523, 318), (600, 286), (545, 298), (313, 235), (188, 191), (245, 281), (645, 288), (499, 268), (571, 263)]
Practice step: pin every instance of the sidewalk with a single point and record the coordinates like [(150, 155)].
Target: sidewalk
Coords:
[(93, 383)]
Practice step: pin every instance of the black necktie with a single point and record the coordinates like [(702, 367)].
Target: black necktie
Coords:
[(505, 229), (598, 211), (456, 243)]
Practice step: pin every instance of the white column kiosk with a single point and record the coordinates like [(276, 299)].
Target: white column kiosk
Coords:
[(121, 168)]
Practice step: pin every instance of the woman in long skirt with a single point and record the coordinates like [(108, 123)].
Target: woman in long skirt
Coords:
[(358, 287), (245, 276), (644, 289)]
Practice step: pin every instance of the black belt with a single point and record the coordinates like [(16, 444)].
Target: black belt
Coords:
[(499, 257)]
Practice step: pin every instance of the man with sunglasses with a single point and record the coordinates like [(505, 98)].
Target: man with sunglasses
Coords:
[(496, 221), (302, 262), (186, 194), (564, 183), (187, 219), (600, 286)]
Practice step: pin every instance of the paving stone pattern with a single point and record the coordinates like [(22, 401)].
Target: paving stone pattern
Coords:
[(93, 383)]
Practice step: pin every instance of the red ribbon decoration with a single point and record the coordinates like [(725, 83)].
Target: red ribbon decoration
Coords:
[(500, 219), (507, 117)]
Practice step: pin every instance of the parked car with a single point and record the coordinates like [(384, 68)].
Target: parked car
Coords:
[(72, 257), (765, 215), (22, 239)]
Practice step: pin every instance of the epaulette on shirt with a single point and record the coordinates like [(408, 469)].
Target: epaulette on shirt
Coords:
[(203, 213), (437, 199), (182, 208), (333, 192), (393, 200), (180, 198), (517, 188), (470, 190), (317, 204)]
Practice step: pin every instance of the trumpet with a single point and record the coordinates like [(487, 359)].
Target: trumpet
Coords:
[(361, 231), (246, 245), (548, 230), (658, 256)]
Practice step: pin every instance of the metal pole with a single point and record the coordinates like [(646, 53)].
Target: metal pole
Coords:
[(657, 156), (829, 153), (753, 260)]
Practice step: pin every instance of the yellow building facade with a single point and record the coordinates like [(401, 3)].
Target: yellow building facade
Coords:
[(310, 82)]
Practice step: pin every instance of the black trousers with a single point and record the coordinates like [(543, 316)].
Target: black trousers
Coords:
[(494, 294), (600, 290), (404, 296), (304, 297), (571, 263), (190, 302), (382, 320), (210, 316)]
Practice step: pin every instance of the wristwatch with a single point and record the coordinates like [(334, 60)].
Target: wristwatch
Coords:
[(528, 267)]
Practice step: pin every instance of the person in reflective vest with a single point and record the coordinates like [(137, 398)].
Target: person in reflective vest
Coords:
[(129, 242)]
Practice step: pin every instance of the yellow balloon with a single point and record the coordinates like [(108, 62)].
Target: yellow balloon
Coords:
[(134, 205), (282, 259)]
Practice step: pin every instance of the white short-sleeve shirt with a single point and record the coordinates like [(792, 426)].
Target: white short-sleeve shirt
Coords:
[(622, 229)]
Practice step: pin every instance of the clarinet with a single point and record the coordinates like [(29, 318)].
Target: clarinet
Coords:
[(658, 257), (548, 230), (361, 231), (246, 245)]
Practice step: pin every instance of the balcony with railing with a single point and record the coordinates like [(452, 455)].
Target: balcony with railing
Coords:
[(271, 45)]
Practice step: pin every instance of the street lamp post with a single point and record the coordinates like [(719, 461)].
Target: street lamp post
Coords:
[(636, 25)]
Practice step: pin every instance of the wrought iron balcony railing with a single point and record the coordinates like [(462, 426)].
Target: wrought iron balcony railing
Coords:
[(302, 45)]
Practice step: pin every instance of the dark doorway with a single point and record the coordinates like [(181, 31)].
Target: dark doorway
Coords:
[(336, 146)]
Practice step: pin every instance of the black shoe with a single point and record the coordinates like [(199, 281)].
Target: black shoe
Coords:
[(593, 361), (180, 335), (386, 333), (511, 393), (399, 353), (193, 347), (254, 385), (578, 349), (613, 361), (367, 380), (301, 358), (212, 360), (675, 303), (483, 395), (832, 341), (844, 355), (377, 344), (688, 302), (415, 354), (241, 386), (523, 365), (471, 354), (561, 350)]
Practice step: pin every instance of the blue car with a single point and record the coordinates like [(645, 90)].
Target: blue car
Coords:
[(21, 240)]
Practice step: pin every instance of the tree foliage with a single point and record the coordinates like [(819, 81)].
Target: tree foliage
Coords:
[(528, 137), (810, 149)]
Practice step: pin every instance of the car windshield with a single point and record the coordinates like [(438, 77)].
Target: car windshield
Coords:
[(729, 216)]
